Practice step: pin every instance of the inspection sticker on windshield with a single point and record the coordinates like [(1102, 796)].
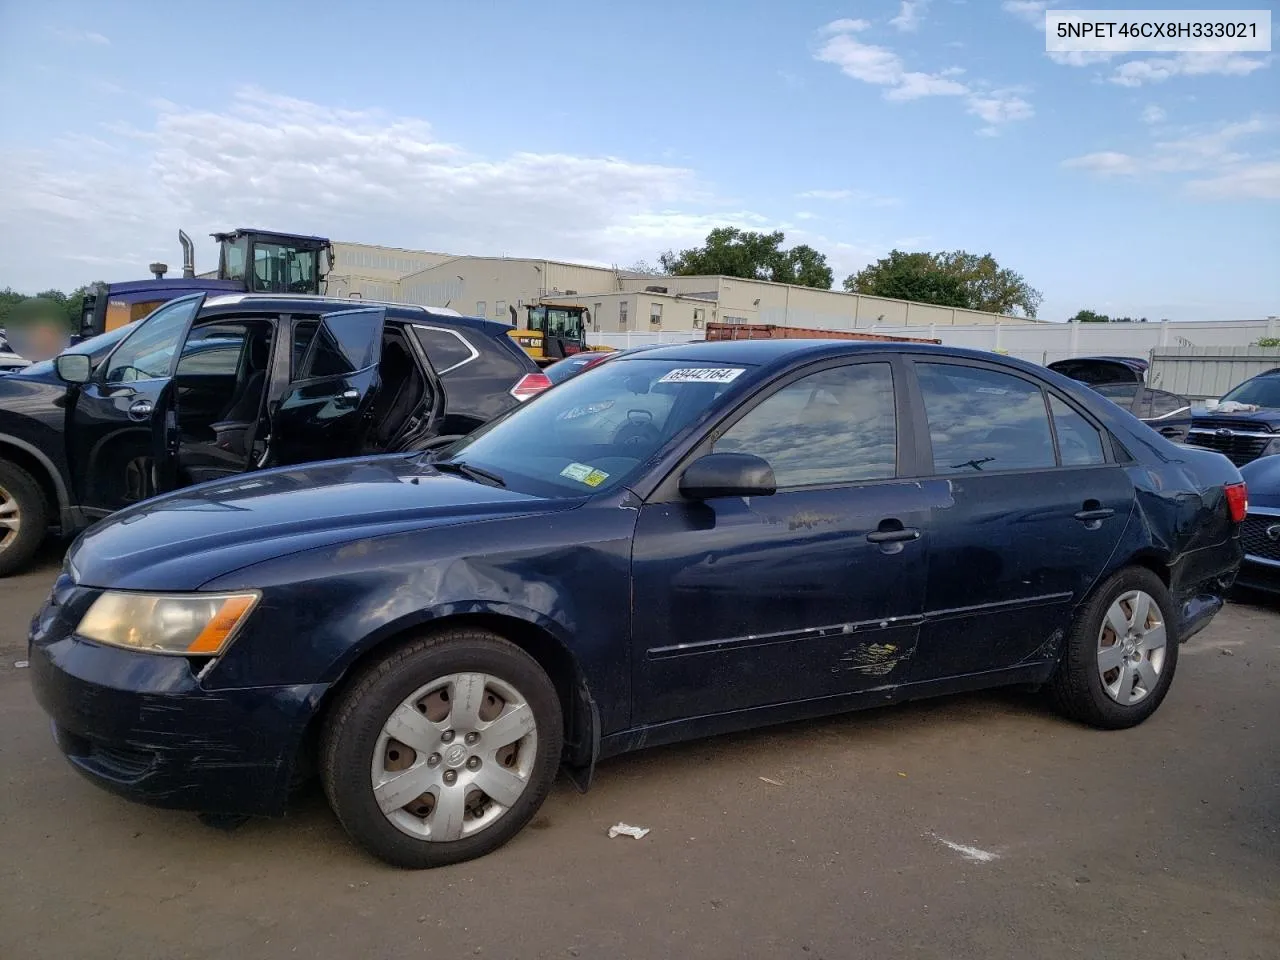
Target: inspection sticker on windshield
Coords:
[(584, 474), (703, 375)]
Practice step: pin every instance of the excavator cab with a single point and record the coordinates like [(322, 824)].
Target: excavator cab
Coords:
[(267, 262), (553, 331)]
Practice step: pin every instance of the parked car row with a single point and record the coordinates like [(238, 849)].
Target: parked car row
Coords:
[(679, 541), (205, 388)]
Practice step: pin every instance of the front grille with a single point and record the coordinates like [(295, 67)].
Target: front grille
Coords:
[(1254, 539), (1242, 443)]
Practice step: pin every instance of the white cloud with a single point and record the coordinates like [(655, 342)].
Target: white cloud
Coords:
[(1080, 58), (913, 86), (1135, 73), (102, 210), (1000, 108), (82, 36), (910, 15), (1255, 181), (1225, 169), (1153, 114), (882, 67), (856, 196), (1105, 164), (846, 26), (1030, 11)]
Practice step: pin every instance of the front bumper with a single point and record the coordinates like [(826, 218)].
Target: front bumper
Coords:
[(1258, 573), (144, 727)]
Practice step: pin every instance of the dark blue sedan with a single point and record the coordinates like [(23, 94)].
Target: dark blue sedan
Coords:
[(692, 540)]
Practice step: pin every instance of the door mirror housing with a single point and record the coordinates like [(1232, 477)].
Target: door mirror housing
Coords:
[(728, 475), (73, 367)]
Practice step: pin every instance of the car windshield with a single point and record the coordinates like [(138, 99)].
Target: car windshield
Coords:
[(97, 349), (594, 431), (1261, 391)]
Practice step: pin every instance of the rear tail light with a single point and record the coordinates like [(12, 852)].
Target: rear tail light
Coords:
[(1237, 501), (530, 385)]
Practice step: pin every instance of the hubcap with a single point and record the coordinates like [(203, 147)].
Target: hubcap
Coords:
[(10, 518), (1131, 648), (454, 757)]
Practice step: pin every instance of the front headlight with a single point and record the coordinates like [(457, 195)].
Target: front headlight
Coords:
[(193, 623)]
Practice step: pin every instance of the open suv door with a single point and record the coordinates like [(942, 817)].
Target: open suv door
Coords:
[(324, 411)]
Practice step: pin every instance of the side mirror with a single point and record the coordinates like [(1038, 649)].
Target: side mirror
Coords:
[(728, 475), (73, 367)]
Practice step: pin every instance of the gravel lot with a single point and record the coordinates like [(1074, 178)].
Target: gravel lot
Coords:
[(977, 826)]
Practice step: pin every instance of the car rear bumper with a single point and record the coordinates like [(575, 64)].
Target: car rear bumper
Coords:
[(143, 727)]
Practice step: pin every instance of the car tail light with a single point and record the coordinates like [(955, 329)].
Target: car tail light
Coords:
[(530, 385), (1237, 501)]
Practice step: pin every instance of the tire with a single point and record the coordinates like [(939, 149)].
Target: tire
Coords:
[(22, 500), (357, 749), (1080, 687)]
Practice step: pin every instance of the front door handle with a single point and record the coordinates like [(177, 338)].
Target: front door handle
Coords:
[(141, 409)]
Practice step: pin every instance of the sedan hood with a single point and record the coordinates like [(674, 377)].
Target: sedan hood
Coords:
[(185, 539)]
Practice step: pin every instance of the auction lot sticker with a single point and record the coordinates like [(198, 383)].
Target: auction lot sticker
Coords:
[(584, 473), (703, 375)]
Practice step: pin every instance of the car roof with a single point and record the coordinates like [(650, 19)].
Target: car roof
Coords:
[(786, 351), (302, 303)]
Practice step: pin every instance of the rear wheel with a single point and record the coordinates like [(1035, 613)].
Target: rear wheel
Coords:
[(1121, 653), (443, 750), (24, 518)]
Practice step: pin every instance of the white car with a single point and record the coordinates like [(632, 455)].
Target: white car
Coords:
[(10, 361)]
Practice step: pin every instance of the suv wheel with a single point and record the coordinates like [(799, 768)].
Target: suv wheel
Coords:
[(443, 750), (24, 519)]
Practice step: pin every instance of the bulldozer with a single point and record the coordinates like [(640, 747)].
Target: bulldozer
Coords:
[(249, 261), (553, 331)]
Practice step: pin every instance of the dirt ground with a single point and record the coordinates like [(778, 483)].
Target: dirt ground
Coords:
[(980, 826)]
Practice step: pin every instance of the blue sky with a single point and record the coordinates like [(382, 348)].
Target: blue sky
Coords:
[(1146, 184)]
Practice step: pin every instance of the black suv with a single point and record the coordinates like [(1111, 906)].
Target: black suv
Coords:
[(205, 388)]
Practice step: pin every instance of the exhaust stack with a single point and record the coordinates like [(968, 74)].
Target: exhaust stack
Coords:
[(188, 255)]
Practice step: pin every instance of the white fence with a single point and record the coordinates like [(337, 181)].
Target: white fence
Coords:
[(622, 341), (1197, 360), (1204, 372)]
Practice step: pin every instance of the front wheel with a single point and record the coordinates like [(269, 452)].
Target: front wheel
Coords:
[(1121, 653), (442, 750), (23, 518)]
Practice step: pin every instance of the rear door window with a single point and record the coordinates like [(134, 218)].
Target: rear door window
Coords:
[(982, 420), (1079, 442)]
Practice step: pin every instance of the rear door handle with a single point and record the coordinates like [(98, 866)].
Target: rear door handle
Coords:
[(1100, 514), (893, 536)]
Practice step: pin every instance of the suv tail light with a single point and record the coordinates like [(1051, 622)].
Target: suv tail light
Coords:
[(1237, 501), (530, 385)]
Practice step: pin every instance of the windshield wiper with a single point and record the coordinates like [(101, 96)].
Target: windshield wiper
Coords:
[(478, 474)]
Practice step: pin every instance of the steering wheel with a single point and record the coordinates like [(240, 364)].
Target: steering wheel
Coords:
[(638, 431)]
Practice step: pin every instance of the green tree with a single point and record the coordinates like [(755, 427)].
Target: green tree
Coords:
[(732, 252), (18, 308), (1088, 316), (909, 276), (955, 279)]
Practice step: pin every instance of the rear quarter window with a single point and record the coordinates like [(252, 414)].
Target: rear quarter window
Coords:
[(448, 350)]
